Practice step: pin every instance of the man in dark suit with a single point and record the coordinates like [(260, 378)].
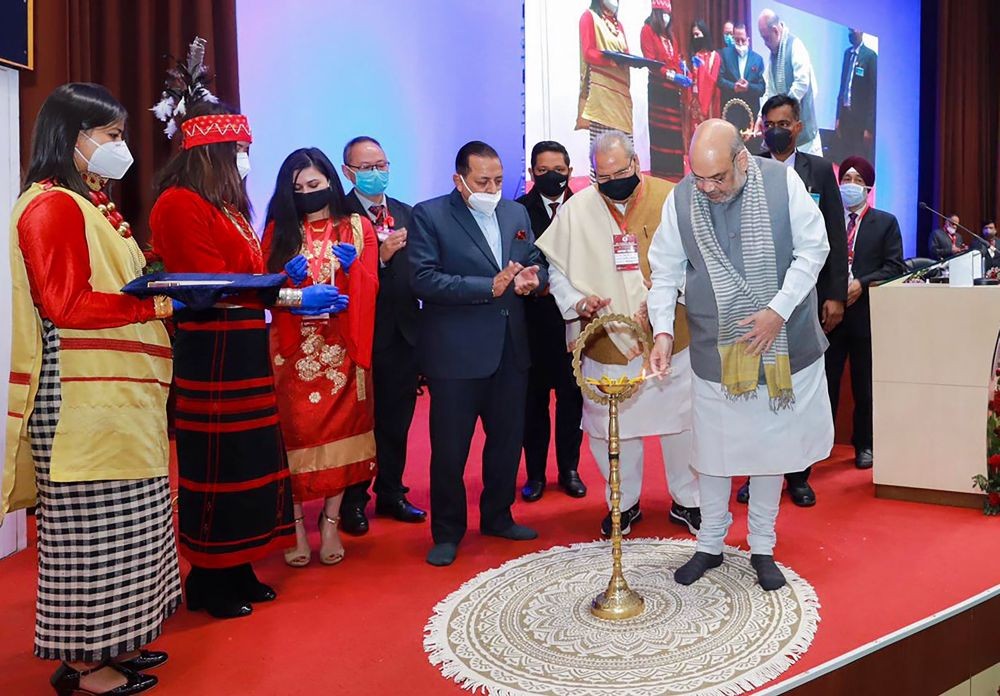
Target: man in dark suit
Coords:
[(741, 77), (473, 261), (782, 126), (991, 254), (394, 363), (947, 242), (551, 363), (875, 253), (855, 125)]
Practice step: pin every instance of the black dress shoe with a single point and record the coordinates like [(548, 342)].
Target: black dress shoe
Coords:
[(743, 494), (146, 659), (802, 495), (689, 517), (532, 491), (515, 532), (353, 521), (628, 518), (218, 603), (572, 485), (863, 459), (696, 567), (400, 510), (442, 554), (769, 576), (247, 586), (66, 681)]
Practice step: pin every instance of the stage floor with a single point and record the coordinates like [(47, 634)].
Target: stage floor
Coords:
[(878, 566)]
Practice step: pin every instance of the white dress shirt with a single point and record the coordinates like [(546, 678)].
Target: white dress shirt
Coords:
[(490, 227)]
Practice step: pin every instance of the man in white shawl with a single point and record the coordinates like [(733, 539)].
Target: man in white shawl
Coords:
[(596, 248), (744, 238)]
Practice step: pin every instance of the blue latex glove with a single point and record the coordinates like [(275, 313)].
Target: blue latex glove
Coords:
[(316, 299), (297, 269), (178, 305), (338, 305), (347, 254), (682, 80), (696, 61)]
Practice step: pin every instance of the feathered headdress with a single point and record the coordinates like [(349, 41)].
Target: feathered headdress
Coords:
[(184, 87)]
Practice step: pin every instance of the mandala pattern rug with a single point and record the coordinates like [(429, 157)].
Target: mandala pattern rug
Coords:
[(526, 627)]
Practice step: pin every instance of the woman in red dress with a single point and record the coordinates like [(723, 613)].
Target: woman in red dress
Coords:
[(706, 99), (235, 494), (322, 364), (666, 138)]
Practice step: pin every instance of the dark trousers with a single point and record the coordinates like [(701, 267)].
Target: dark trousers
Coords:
[(554, 373), (394, 374), (456, 405), (851, 135), (852, 339)]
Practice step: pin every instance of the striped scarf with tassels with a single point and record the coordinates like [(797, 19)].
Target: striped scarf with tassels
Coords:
[(737, 297)]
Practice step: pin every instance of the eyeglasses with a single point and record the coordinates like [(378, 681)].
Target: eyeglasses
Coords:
[(718, 179), (620, 174), (382, 166)]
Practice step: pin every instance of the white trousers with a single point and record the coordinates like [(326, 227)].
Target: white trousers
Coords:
[(765, 495), (682, 481)]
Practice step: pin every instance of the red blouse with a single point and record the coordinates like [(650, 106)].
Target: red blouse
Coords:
[(660, 48), (588, 41), (52, 237)]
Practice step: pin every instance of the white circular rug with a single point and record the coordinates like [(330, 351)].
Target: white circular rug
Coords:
[(526, 627)]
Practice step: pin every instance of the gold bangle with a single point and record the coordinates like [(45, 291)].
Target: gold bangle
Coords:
[(163, 306), (289, 297)]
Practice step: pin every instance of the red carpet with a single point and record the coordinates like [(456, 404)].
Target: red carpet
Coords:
[(356, 628)]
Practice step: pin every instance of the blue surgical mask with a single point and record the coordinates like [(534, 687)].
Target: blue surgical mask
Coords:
[(853, 195), (728, 38), (373, 182)]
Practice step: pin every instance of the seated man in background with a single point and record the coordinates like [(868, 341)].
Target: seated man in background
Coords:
[(947, 242), (991, 255), (874, 254)]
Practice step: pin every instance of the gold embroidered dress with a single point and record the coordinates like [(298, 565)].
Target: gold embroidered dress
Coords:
[(322, 370)]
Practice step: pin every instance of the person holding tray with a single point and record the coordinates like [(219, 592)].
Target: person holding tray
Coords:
[(235, 491), (322, 364), (666, 139), (86, 426)]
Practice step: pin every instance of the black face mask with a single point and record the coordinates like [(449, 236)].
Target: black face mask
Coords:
[(308, 203), (778, 139), (698, 43), (619, 189), (551, 183)]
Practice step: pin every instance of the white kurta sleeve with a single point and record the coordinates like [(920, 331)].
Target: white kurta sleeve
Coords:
[(810, 247), (668, 263), (768, 81), (566, 296), (802, 70)]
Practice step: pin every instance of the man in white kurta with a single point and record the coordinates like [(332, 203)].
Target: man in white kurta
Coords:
[(754, 423), (596, 248)]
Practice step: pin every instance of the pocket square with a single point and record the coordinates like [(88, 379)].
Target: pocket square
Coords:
[(520, 235)]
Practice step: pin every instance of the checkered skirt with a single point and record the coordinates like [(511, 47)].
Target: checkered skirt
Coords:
[(107, 560)]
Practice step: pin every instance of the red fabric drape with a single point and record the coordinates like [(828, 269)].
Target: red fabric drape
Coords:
[(967, 132), (123, 44)]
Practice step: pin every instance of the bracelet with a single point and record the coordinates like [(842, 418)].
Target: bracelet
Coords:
[(163, 306), (289, 297)]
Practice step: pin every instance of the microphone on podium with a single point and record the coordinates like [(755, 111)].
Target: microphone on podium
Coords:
[(969, 232)]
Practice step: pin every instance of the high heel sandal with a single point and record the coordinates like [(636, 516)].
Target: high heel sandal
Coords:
[(296, 557), (66, 681), (324, 557)]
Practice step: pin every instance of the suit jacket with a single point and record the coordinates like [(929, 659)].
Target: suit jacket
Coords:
[(940, 244), (463, 328), (547, 328), (396, 306), (878, 256), (863, 89), (817, 174), (729, 75)]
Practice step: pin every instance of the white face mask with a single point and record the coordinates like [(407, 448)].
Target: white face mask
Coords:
[(742, 50), (484, 203), (110, 160), (666, 18), (611, 6), (243, 164)]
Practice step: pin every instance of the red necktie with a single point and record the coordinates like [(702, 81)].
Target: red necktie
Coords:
[(852, 228), (555, 207)]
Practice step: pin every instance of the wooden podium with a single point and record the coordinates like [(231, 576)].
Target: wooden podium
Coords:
[(933, 349)]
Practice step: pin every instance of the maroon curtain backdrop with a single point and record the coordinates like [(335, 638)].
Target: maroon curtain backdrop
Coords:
[(715, 13), (123, 45), (967, 129)]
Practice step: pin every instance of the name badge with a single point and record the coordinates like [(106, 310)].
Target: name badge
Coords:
[(859, 71), (626, 252), (815, 197)]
